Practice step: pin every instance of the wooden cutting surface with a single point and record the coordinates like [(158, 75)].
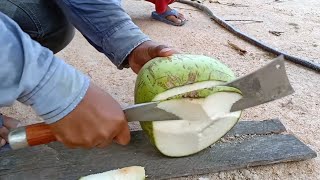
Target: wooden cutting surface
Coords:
[(249, 143)]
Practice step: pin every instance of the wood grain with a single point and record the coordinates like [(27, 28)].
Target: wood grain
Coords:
[(39, 133), (270, 126), (54, 161)]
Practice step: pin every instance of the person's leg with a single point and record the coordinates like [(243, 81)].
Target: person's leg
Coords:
[(166, 14), (45, 23), (42, 20)]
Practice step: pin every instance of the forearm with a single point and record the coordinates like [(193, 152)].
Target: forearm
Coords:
[(106, 25), (32, 75)]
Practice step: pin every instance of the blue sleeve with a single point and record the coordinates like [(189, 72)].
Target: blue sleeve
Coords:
[(106, 26), (31, 74)]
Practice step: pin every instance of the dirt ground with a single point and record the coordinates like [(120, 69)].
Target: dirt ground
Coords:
[(298, 20)]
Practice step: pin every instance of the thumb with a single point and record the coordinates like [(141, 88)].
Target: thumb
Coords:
[(161, 51)]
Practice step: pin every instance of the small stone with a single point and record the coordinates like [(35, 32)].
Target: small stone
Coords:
[(223, 140), (246, 173), (255, 177), (211, 146), (236, 177), (202, 178), (222, 175)]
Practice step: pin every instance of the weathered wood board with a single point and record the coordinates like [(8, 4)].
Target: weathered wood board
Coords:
[(249, 143)]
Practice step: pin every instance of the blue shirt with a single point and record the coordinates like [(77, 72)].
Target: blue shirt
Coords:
[(34, 76)]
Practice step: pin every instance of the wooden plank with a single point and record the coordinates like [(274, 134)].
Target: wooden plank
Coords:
[(53, 161), (257, 127), (242, 128)]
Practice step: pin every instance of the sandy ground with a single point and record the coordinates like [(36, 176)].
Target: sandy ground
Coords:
[(298, 20)]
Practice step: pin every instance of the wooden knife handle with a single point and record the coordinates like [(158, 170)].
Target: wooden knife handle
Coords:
[(31, 135)]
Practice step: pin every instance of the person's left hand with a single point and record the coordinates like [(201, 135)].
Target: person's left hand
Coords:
[(147, 51)]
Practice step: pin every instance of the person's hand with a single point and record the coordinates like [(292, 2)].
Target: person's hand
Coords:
[(147, 51), (97, 121)]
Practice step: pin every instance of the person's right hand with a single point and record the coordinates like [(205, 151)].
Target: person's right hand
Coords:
[(97, 121)]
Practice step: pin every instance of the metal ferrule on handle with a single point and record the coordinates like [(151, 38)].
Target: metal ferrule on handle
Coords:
[(18, 138), (31, 135)]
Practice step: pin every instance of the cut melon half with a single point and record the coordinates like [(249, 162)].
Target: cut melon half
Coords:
[(126, 173), (189, 86), (204, 121)]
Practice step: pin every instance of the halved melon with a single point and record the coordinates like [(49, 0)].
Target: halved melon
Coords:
[(184, 85)]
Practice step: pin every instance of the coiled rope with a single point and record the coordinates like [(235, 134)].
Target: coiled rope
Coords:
[(255, 42)]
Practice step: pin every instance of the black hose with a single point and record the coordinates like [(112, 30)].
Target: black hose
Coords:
[(311, 65)]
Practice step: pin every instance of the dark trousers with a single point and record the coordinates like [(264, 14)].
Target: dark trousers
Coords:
[(43, 20)]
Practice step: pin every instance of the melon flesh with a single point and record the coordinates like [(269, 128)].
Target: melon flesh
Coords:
[(205, 120), (126, 173)]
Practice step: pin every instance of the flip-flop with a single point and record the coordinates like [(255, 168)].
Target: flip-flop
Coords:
[(5, 147), (162, 17)]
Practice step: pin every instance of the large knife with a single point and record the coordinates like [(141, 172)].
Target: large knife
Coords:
[(261, 86)]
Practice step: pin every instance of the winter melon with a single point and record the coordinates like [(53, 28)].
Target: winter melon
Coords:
[(188, 86)]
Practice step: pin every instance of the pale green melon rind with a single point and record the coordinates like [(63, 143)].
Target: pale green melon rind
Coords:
[(147, 127), (205, 92), (164, 73)]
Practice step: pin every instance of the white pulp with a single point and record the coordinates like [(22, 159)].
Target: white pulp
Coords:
[(127, 173), (204, 122)]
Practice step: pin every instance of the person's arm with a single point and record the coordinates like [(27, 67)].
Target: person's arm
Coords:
[(31, 74), (106, 26), (79, 113)]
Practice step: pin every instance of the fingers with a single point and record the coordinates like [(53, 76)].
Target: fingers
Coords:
[(4, 133), (147, 51), (67, 141), (123, 138), (89, 125), (10, 122), (166, 52), (3, 136), (104, 144), (103, 138), (2, 142), (160, 51)]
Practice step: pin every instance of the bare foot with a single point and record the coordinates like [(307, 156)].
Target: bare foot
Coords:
[(8, 123), (175, 19)]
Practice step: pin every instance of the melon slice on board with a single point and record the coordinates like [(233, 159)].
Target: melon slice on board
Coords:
[(183, 83), (126, 173)]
